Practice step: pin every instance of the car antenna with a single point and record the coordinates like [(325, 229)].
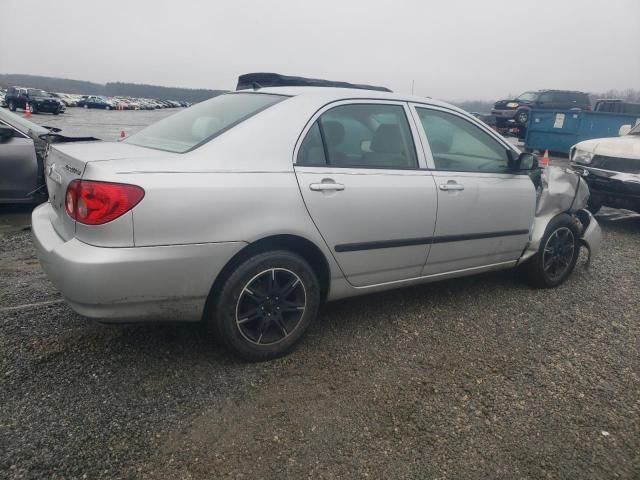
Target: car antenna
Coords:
[(256, 85)]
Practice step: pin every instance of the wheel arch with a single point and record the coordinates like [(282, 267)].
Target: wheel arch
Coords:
[(293, 243)]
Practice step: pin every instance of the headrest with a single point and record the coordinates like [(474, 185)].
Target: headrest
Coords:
[(387, 139)]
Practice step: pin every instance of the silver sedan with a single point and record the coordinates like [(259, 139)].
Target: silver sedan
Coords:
[(249, 210)]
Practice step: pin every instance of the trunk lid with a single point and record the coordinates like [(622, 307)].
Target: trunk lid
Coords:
[(66, 162)]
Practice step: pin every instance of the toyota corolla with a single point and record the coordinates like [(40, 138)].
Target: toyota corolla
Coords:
[(249, 210)]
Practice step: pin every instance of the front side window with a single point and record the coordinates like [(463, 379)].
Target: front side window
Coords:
[(458, 145), (202, 122), (528, 96), (545, 98), (361, 135)]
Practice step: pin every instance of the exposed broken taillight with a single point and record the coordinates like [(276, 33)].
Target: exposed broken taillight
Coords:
[(96, 203)]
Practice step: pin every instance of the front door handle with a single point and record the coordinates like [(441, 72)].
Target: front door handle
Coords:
[(323, 187), (451, 186)]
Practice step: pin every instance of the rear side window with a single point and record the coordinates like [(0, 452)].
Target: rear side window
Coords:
[(559, 97), (360, 136), (200, 123), (311, 151)]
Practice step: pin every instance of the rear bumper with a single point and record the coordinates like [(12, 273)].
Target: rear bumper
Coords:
[(163, 283)]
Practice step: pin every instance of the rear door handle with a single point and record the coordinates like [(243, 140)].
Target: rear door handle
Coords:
[(451, 186), (323, 187)]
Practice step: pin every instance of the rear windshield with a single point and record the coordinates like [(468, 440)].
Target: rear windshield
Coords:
[(200, 123)]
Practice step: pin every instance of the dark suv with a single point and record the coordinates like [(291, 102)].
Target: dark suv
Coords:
[(617, 106), (38, 100), (515, 113)]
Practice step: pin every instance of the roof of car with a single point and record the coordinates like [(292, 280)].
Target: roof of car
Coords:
[(332, 94), (562, 91)]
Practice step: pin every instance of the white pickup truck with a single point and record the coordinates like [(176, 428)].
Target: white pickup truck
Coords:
[(614, 168)]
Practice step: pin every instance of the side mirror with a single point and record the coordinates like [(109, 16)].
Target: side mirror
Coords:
[(525, 161), (5, 133), (624, 129)]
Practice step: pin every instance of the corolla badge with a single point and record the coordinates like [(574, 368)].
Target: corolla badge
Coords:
[(71, 169)]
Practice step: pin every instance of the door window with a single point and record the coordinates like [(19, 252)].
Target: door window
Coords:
[(458, 145), (561, 98), (545, 98), (311, 152), (360, 135)]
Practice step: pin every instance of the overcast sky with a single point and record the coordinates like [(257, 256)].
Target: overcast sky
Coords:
[(453, 49)]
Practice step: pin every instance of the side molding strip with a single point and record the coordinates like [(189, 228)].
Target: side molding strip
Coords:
[(407, 242)]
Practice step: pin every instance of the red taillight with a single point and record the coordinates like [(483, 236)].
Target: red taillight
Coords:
[(95, 203)]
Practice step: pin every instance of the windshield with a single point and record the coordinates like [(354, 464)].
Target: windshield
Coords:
[(34, 92), (635, 130), (20, 123), (528, 96), (198, 124)]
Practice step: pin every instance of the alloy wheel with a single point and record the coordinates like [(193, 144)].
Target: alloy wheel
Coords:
[(270, 306), (558, 253)]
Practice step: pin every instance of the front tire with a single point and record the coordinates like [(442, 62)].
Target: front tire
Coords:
[(265, 306), (522, 117), (12, 106), (557, 255)]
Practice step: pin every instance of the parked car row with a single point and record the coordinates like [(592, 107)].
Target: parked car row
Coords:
[(39, 101)]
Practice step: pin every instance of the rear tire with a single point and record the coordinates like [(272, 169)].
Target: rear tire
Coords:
[(557, 255), (265, 306)]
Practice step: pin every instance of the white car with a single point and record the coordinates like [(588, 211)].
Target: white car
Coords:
[(614, 169)]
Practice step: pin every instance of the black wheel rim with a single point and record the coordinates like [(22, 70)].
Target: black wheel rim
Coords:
[(271, 306), (558, 253)]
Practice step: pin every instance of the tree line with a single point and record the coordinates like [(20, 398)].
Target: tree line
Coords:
[(81, 87)]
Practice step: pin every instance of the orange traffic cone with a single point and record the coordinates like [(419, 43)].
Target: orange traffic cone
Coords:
[(545, 159), (27, 110)]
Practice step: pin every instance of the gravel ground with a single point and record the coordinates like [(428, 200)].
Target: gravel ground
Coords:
[(481, 377)]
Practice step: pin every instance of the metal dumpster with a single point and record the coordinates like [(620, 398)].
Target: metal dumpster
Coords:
[(559, 130)]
